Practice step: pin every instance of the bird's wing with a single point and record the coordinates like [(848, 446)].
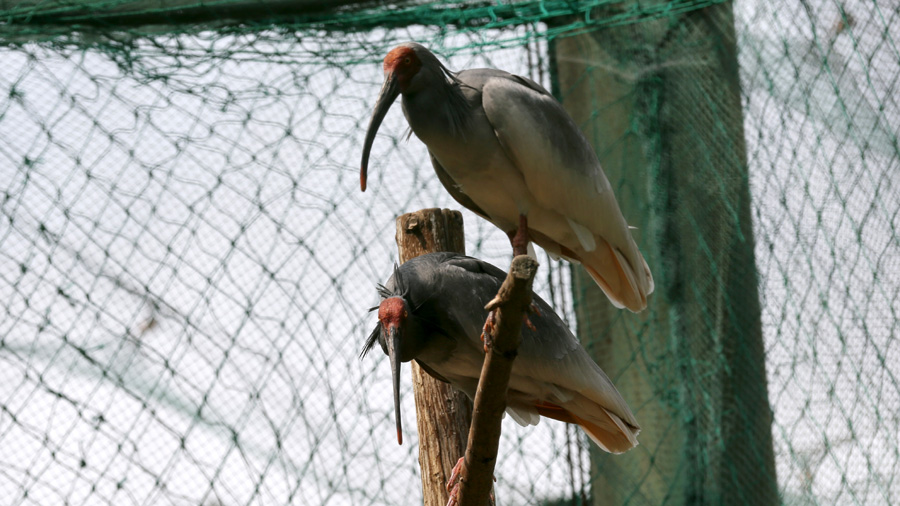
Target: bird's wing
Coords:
[(453, 189), (551, 355), (557, 163)]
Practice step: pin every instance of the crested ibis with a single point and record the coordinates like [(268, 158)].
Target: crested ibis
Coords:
[(432, 311), (504, 148)]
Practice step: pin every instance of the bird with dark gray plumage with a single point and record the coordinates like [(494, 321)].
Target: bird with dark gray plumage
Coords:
[(432, 311), (504, 148)]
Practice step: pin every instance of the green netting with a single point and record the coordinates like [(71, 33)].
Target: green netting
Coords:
[(186, 260)]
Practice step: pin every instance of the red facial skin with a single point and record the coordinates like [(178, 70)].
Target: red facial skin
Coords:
[(391, 312), (404, 64)]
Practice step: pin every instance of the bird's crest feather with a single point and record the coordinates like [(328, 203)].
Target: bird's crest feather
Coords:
[(383, 292), (401, 289), (370, 342)]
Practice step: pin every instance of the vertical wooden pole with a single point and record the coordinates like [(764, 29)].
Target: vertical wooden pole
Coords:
[(443, 414)]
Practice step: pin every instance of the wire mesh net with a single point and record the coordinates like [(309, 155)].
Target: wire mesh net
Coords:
[(187, 261)]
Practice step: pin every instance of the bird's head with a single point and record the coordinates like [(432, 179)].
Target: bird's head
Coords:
[(400, 339), (402, 64), (408, 68)]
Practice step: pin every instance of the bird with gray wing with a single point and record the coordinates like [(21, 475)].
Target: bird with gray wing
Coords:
[(504, 148), (432, 311)]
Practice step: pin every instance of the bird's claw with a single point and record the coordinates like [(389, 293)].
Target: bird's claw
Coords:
[(488, 330), (528, 323), (453, 483), (533, 309)]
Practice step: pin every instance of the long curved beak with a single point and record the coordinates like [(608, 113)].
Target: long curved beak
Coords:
[(393, 346), (389, 92)]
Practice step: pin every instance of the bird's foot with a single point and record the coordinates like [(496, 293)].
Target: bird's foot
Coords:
[(489, 324), (528, 323), (453, 482), (533, 309), (488, 330)]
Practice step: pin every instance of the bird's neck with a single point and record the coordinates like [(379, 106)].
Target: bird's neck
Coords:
[(439, 109)]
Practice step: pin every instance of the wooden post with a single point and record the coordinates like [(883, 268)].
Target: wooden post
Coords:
[(443, 414)]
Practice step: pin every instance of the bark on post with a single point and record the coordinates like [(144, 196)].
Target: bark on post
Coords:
[(660, 100), (511, 302), (443, 414)]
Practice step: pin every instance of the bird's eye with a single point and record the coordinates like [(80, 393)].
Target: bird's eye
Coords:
[(407, 61)]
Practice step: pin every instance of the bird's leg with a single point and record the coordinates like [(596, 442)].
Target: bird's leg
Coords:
[(519, 240)]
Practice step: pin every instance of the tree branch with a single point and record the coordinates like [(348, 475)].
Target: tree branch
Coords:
[(511, 303)]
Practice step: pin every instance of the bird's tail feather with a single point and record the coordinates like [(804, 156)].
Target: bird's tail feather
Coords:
[(613, 442), (610, 268), (612, 271), (609, 432)]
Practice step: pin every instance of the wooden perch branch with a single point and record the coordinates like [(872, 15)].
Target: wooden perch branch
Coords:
[(511, 303)]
